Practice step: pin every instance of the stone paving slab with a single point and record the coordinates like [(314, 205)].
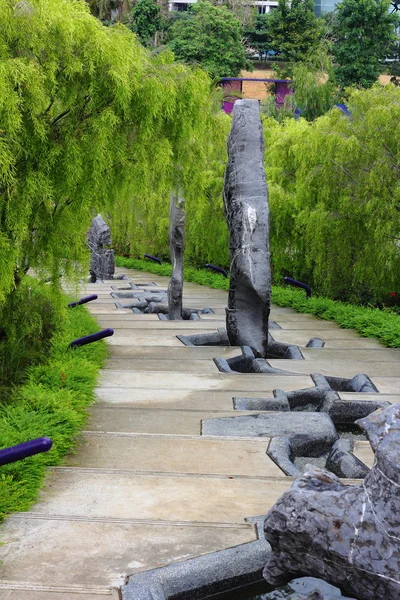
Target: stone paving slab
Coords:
[(105, 418), (38, 549), (340, 368), (341, 338), (145, 340), (108, 494), (162, 365), (392, 398), (188, 381), (362, 355), (179, 354), (179, 399), (169, 454)]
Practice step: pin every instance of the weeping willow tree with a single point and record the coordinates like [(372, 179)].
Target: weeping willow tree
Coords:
[(335, 197), (88, 122)]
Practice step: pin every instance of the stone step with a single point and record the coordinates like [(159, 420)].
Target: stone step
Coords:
[(181, 353), (334, 338), (174, 454), (176, 399), (107, 418), (102, 493), (128, 326), (71, 557), (362, 355), (339, 368), (188, 381), (161, 365)]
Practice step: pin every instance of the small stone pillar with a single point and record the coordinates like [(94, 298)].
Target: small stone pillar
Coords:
[(102, 265), (176, 246)]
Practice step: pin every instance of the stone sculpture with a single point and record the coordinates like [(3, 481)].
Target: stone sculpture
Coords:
[(247, 213), (102, 264), (176, 247), (348, 535)]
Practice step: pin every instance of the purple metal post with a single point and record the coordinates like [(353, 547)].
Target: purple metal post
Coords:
[(93, 337), (20, 451), (217, 269), (83, 301), (150, 257), (299, 284)]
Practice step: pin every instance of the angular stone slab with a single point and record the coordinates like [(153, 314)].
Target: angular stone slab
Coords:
[(92, 493), (99, 552), (287, 424), (364, 452), (168, 454)]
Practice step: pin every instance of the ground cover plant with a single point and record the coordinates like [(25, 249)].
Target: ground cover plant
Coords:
[(383, 325), (52, 401)]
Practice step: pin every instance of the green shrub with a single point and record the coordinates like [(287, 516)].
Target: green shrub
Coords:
[(52, 402)]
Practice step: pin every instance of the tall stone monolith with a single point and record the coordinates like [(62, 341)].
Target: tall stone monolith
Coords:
[(247, 213), (176, 247)]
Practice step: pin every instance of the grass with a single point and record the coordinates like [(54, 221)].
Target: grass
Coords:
[(51, 402), (383, 325)]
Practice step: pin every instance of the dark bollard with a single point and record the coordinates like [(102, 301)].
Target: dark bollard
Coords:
[(20, 451), (93, 337), (84, 300), (217, 269), (154, 258), (299, 284)]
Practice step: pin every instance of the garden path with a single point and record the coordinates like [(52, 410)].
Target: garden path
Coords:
[(144, 487)]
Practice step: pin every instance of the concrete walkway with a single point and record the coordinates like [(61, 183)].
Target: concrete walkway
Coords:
[(144, 487)]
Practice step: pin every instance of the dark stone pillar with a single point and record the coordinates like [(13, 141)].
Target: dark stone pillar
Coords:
[(247, 213), (176, 247), (102, 265)]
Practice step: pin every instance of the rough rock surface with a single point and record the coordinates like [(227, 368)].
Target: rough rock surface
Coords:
[(247, 213), (347, 535), (176, 247), (102, 265), (306, 588)]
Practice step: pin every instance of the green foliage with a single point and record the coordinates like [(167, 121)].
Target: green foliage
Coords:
[(146, 20), (314, 87), (363, 31), (295, 30), (211, 37), (314, 84), (27, 323), (257, 34), (52, 402), (382, 325), (87, 119), (335, 198)]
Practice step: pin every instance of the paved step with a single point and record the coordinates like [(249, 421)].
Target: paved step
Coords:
[(97, 554), (108, 493), (174, 454), (144, 488), (116, 418)]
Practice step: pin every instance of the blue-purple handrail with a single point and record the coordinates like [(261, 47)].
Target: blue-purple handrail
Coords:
[(217, 269), (93, 337), (299, 284), (20, 451), (84, 300), (154, 258)]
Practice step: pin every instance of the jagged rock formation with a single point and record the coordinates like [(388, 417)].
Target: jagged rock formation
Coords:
[(247, 213), (102, 265), (347, 535), (176, 247)]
